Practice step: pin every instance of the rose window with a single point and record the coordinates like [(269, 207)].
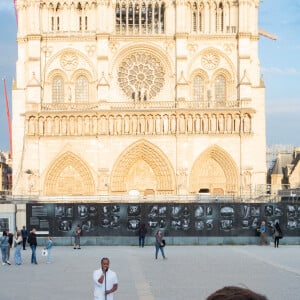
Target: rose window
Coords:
[(69, 61), (210, 61), (141, 76)]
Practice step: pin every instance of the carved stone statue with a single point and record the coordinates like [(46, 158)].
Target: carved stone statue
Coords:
[(197, 124), (142, 124), (111, 125), (182, 127), (173, 124), (134, 123), (150, 124), (119, 125), (157, 124), (165, 124), (190, 124), (126, 124)]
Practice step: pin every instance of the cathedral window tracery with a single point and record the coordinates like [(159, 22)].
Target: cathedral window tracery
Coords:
[(81, 89), (213, 17), (141, 76), (140, 17), (198, 88), (220, 88), (58, 89), (198, 17)]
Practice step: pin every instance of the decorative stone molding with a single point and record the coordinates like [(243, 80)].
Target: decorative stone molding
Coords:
[(95, 123)]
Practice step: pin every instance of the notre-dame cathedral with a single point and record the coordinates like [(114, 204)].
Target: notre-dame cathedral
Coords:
[(152, 96)]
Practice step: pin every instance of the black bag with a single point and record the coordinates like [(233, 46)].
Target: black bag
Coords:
[(163, 243)]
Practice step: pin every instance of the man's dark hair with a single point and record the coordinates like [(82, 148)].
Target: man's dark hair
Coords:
[(104, 258), (235, 293)]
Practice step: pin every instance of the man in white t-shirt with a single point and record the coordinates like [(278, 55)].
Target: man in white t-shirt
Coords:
[(105, 281)]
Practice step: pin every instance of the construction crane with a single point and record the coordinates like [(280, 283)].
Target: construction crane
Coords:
[(267, 34), (16, 13), (8, 118)]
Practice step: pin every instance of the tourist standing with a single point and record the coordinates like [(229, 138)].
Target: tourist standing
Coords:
[(77, 235), (277, 234), (33, 244), (105, 281), (263, 237), (142, 235), (4, 248), (18, 241), (24, 237), (159, 244)]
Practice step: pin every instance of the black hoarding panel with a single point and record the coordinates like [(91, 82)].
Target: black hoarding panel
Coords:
[(174, 219)]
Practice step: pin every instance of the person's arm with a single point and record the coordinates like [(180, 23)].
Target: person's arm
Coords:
[(113, 289), (101, 278), (98, 279)]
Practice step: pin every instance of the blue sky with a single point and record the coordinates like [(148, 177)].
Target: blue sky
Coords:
[(280, 67)]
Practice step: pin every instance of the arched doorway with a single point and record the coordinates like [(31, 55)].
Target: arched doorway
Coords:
[(69, 175), (143, 167), (214, 171)]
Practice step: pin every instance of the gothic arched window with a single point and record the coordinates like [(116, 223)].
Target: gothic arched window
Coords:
[(58, 89), (220, 18), (81, 89), (220, 88), (197, 17), (140, 17), (198, 88)]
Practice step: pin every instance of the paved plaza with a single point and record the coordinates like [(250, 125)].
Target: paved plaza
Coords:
[(190, 272)]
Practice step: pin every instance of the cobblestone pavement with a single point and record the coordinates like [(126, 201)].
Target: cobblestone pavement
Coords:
[(189, 272)]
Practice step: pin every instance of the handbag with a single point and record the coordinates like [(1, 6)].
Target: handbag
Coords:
[(44, 252)]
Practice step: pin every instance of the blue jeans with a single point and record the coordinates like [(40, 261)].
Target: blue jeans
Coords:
[(141, 241), (4, 251), (18, 258), (33, 253), (157, 248)]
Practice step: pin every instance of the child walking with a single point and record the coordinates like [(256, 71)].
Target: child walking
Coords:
[(48, 246)]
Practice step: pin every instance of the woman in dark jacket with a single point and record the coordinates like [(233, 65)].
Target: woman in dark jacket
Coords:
[(277, 234)]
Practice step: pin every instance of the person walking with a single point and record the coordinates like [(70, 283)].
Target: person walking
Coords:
[(262, 230), (18, 242), (142, 235), (4, 248), (33, 244), (277, 233), (105, 281), (24, 237), (77, 237), (159, 244), (48, 246)]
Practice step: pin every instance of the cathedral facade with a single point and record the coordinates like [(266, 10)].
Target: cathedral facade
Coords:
[(152, 96)]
